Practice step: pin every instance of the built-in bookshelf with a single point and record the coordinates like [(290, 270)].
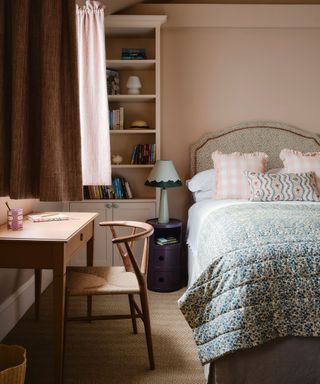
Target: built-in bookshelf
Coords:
[(128, 198), (139, 148)]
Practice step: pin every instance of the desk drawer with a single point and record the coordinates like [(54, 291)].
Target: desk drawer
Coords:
[(79, 239)]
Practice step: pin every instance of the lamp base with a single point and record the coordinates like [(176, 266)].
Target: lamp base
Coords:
[(163, 208)]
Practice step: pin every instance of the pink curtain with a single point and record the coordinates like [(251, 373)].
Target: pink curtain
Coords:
[(95, 144)]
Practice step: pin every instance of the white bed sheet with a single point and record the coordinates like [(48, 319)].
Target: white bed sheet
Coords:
[(196, 216)]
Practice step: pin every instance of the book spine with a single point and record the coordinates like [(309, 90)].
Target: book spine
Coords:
[(128, 189), (123, 188), (121, 119), (133, 157)]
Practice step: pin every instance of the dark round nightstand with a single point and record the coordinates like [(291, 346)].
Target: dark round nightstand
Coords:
[(165, 261)]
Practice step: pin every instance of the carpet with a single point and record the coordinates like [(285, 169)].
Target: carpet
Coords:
[(107, 352)]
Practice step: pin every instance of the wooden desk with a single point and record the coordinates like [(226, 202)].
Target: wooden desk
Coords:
[(49, 245)]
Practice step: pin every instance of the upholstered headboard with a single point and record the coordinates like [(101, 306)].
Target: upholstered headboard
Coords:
[(262, 136)]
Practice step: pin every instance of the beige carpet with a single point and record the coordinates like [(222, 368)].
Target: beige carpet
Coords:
[(107, 351)]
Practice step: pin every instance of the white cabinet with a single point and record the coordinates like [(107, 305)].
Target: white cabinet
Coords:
[(104, 251)]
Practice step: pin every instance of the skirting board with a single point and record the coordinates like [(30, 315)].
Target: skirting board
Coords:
[(15, 306)]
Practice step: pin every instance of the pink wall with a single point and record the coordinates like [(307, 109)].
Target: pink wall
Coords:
[(225, 64), (215, 77)]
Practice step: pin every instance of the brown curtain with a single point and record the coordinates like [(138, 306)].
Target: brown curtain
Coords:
[(40, 144)]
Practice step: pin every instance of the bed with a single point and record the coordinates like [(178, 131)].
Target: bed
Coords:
[(256, 354)]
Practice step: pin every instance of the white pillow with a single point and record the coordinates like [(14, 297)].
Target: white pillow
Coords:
[(202, 195), (202, 181)]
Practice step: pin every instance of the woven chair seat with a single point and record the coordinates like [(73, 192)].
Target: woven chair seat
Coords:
[(82, 281)]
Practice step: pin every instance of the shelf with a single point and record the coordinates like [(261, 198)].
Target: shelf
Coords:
[(131, 64), (134, 200), (131, 131), (131, 98), (132, 166)]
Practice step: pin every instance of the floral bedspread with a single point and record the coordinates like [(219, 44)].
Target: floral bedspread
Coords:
[(263, 278)]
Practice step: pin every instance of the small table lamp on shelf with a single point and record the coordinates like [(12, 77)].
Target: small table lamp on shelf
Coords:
[(163, 175), (133, 85)]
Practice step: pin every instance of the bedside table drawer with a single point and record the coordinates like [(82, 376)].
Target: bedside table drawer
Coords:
[(164, 281), (166, 257)]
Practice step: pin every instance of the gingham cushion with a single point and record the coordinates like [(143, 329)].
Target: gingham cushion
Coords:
[(231, 182), (298, 162), (282, 186)]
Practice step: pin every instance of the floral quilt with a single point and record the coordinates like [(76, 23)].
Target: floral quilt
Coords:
[(263, 278)]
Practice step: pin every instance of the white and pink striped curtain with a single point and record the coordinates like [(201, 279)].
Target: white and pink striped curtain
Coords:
[(95, 142)]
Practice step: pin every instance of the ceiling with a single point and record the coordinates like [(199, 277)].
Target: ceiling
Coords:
[(113, 6)]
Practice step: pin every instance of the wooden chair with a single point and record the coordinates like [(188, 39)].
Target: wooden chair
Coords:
[(128, 280)]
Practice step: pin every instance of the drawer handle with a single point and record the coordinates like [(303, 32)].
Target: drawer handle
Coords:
[(108, 205), (161, 258), (161, 279), (81, 236), (115, 205)]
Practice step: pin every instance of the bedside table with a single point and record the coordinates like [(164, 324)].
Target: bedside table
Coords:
[(165, 261)]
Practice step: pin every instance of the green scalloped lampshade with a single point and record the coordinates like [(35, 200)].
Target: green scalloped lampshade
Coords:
[(163, 175)]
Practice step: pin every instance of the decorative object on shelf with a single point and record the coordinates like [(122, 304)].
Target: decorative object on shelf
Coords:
[(144, 154), (133, 54), (113, 82), (117, 159), (139, 124), (163, 175), (133, 85)]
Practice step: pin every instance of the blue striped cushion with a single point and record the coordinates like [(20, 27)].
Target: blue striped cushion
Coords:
[(282, 186)]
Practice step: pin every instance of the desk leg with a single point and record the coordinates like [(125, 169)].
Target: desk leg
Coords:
[(37, 292), (59, 283), (90, 263)]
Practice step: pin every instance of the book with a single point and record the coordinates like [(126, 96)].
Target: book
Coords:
[(128, 189), (133, 54), (47, 216), (166, 240), (113, 82)]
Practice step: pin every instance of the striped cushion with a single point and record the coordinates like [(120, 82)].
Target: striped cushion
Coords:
[(231, 183), (282, 186), (297, 162)]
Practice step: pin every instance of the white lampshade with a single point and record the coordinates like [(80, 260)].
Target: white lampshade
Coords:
[(133, 85), (163, 175)]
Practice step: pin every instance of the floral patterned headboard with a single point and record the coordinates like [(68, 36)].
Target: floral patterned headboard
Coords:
[(262, 136)]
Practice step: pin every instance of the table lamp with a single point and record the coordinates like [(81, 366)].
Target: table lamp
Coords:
[(163, 175), (133, 85)]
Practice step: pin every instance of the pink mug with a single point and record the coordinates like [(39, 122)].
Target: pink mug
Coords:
[(15, 219)]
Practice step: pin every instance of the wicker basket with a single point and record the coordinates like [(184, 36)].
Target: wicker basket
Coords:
[(12, 364)]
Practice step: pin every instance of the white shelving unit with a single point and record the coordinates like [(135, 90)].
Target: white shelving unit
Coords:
[(129, 31)]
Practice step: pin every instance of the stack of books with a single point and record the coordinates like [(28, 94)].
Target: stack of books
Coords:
[(116, 118), (133, 54), (144, 154), (120, 189), (166, 240)]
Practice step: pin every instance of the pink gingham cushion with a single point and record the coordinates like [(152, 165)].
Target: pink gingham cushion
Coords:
[(231, 182), (298, 162)]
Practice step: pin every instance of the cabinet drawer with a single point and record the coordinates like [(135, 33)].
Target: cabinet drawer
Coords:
[(167, 257), (79, 240), (164, 281)]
